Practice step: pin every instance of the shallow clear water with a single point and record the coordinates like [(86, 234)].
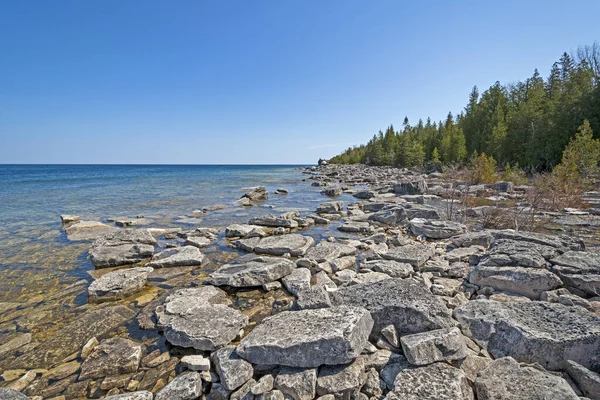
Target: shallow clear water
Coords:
[(35, 254)]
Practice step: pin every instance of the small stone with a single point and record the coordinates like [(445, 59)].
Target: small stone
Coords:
[(196, 363), (88, 347), (390, 334)]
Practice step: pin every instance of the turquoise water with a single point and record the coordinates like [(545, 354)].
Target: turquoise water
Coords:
[(35, 252)]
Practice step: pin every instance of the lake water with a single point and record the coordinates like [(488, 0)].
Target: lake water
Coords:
[(35, 254)]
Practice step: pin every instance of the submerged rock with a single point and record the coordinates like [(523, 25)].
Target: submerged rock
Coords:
[(546, 333), (118, 284), (87, 230), (186, 256), (112, 357), (309, 338), (256, 272)]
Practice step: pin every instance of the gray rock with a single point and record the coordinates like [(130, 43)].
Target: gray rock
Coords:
[(330, 207), (373, 386), (298, 383), (196, 362), (272, 395), (326, 251), (579, 270), (309, 338), (115, 356), (256, 272), (297, 281), (118, 284), (392, 268), (332, 190), (313, 297), (263, 385), (436, 381), (187, 386), (200, 318), (247, 245), (218, 392), (394, 216), (437, 345), (436, 229), (244, 392), (587, 381), (546, 333), (404, 303), (506, 252), (483, 238), (356, 227), (9, 394), (87, 230), (197, 241), (530, 282), (369, 277), (396, 364), (341, 380), (417, 186), (233, 370), (293, 244), (127, 246), (391, 335), (415, 254), (561, 243), (237, 230), (69, 219), (505, 379), (418, 211), (257, 193), (185, 256), (274, 221), (141, 395)]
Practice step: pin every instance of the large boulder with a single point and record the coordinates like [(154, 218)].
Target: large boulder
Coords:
[(579, 270), (546, 333), (437, 381), (436, 229), (118, 284), (416, 186), (529, 282), (185, 256), (293, 244), (112, 357), (256, 272), (505, 379), (415, 254), (200, 318), (309, 338), (404, 303), (126, 246)]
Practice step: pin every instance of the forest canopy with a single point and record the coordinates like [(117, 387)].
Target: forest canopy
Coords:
[(527, 123)]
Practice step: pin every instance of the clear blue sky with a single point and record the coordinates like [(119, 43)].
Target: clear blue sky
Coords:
[(112, 81)]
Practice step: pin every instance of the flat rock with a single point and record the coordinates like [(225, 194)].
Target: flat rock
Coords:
[(505, 379), (356, 227), (237, 230), (438, 345), (185, 256), (438, 381), (298, 383), (274, 221), (327, 251), (436, 229), (546, 333), (200, 318), (529, 282), (87, 230), (415, 254), (233, 370), (140, 395), (483, 238), (197, 241), (330, 207), (126, 246), (309, 338), (395, 216), (579, 270), (293, 244), (257, 272), (118, 284), (187, 386), (417, 186), (257, 193), (404, 303), (115, 356), (391, 268)]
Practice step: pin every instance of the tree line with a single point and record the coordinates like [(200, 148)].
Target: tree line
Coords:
[(528, 123)]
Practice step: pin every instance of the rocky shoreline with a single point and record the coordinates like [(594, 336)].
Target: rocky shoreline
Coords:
[(418, 297)]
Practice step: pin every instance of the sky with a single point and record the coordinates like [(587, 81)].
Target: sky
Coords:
[(255, 82)]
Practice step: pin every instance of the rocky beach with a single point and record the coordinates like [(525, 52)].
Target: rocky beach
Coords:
[(414, 286)]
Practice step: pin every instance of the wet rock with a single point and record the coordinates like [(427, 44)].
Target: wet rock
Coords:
[(187, 386), (274, 221), (19, 340), (529, 282), (579, 270), (341, 380), (547, 333), (415, 254), (10, 394), (332, 190), (588, 381), (112, 357), (436, 381), (309, 338), (197, 241), (404, 303), (185, 256), (257, 193), (506, 379), (126, 246), (69, 219), (281, 191), (71, 338), (141, 395), (118, 284), (233, 370), (417, 186), (392, 268), (87, 230), (298, 383), (200, 318), (394, 217), (437, 345), (297, 281), (436, 229), (256, 272), (237, 230), (23, 381), (293, 244), (62, 371)]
